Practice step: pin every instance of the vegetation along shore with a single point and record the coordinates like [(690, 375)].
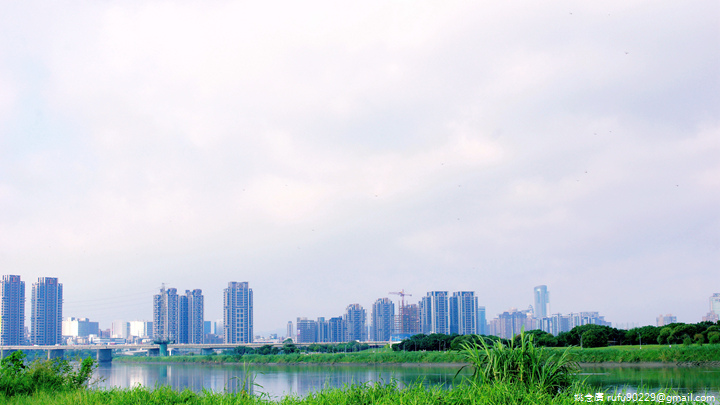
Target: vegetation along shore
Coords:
[(503, 372), (585, 344)]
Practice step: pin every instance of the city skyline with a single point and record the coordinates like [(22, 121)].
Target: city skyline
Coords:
[(180, 318), (196, 311), (330, 153)]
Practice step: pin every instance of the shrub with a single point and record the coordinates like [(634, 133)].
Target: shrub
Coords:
[(17, 378)]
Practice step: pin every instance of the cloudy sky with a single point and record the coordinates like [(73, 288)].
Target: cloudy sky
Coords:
[(331, 152)]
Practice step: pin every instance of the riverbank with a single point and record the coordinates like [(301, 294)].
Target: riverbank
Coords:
[(359, 358), (377, 394), (705, 355)]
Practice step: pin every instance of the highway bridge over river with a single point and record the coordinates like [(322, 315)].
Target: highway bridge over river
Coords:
[(105, 352)]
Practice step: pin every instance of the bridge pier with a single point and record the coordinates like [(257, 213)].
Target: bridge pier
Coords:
[(163, 349), (206, 352), (104, 355), (53, 354), (153, 352)]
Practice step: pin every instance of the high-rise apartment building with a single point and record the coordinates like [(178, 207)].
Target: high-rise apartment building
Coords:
[(46, 312), (355, 323), (337, 328), (306, 330), (290, 331), (383, 319), (238, 313), (463, 313), (434, 313), (12, 311), (195, 316), (323, 330), (714, 314), (166, 310), (481, 321), (542, 301)]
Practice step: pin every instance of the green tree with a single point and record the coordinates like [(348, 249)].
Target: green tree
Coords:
[(663, 335), (594, 338)]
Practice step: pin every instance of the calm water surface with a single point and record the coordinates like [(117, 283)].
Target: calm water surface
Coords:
[(300, 380)]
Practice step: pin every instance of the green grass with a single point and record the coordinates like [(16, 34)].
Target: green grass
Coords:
[(377, 394), (648, 353)]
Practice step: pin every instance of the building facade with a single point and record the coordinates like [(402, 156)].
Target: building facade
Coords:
[(46, 312), (355, 323), (481, 321), (238, 313), (463, 313), (383, 319), (542, 302), (12, 311), (195, 316), (667, 319), (336, 327), (435, 313), (306, 330), (79, 327), (166, 309)]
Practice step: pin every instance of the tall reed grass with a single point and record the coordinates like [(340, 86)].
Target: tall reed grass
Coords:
[(520, 362)]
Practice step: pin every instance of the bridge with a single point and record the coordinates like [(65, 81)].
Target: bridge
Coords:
[(104, 352)]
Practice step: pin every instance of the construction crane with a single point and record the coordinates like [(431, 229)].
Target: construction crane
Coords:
[(403, 319)]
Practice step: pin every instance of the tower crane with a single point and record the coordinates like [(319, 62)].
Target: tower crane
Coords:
[(403, 319)]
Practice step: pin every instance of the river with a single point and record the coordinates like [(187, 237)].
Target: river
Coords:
[(279, 380)]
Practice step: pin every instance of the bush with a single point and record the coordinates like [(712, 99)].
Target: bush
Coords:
[(714, 337), (17, 378)]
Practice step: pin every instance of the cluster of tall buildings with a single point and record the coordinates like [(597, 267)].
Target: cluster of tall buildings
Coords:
[(180, 318), (45, 311), (437, 312), (714, 314), (538, 316)]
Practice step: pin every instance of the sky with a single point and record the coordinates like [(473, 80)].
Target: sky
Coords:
[(331, 152)]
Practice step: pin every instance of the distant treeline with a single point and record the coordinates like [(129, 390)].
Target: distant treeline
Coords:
[(583, 336), (288, 347)]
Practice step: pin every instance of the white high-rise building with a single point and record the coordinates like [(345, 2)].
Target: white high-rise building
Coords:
[(238, 313), (542, 301), (434, 313)]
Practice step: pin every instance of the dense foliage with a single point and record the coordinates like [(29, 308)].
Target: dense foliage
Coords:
[(587, 336), (19, 378)]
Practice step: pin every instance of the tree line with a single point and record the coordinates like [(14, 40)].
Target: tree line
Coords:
[(583, 336)]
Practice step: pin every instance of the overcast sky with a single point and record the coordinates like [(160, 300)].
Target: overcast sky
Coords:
[(331, 152)]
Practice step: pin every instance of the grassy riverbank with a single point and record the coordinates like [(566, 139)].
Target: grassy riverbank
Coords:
[(501, 374), (379, 394), (613, 354), (365, 357), (648, 354)]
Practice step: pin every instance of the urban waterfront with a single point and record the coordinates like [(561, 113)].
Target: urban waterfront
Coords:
[(277, 381)]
